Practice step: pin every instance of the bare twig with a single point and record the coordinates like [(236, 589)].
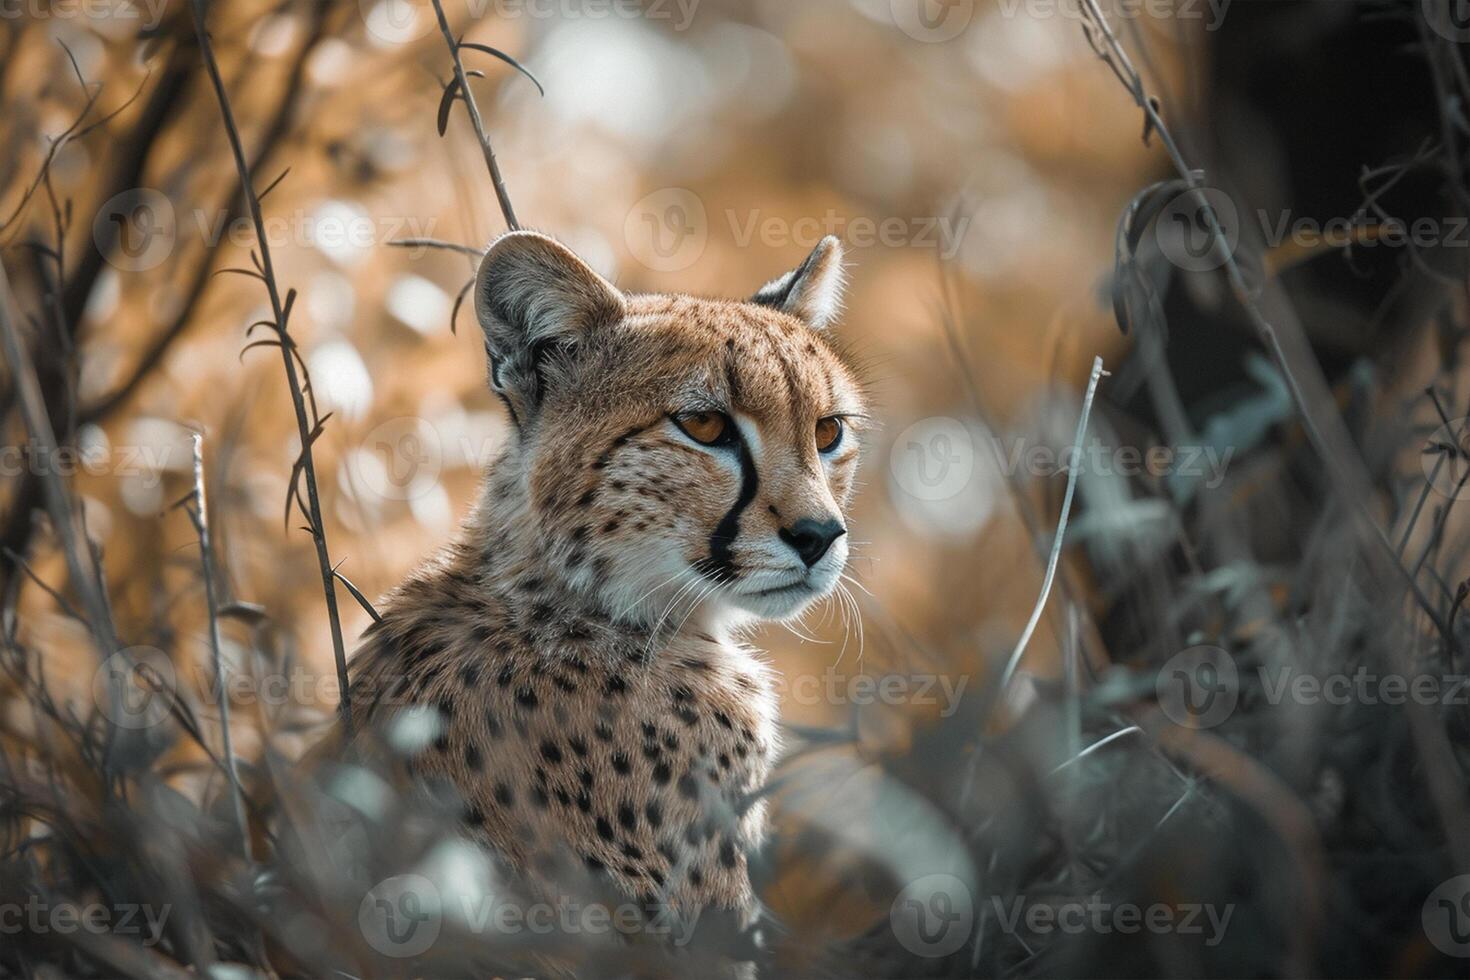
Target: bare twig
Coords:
[(473, 109), (306, 426), (199, 515), (1056, 544), (58, 503)]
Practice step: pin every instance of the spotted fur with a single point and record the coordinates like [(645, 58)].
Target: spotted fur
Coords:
[(579, 636)]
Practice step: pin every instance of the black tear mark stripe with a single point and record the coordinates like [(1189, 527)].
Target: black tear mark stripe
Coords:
[(721, 565)]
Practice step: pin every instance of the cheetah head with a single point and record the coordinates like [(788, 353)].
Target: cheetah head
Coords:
[(675, 455)]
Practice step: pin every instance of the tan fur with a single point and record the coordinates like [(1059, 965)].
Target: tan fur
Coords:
[(574, 637)]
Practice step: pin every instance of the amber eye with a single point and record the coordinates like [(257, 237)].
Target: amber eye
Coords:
[(709, 428), (829, 434)]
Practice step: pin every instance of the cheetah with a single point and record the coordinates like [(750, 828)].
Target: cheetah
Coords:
[(678, 469)]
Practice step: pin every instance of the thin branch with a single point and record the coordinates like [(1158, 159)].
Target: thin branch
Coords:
[(1056, 544), (279, 310), (58, 502), (473, 109), (199, 515)]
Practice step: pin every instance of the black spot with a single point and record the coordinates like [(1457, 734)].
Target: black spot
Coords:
[(615, 686), (472, 758), (620, 763), (688, 788), (469, 675), (584, 775), (650, 730), (563, 683), (687, 715), (507, 675), (592, 863), (586, 499), (550, 752), (723, 719), (584, 802), (603, 731), (724, 761), (627, 817), (727, 854), (474, 817), (655, 815), (682, 693), (604, 829), (503, 795), (563, 797), (632, 853), (538, 796), (696, 877), (492, 724), (671, 742), (579, 745), (661, 774), (527, 698)]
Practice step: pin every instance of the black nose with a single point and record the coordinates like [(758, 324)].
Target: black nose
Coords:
[(811, 538)]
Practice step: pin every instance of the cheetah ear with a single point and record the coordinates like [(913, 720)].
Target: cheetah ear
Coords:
[(536, 301), (813, 290)]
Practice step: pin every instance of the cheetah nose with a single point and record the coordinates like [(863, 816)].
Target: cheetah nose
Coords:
[(811, 538)]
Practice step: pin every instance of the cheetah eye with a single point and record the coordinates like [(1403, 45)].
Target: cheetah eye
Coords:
[(706, 428), (829, 434)]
